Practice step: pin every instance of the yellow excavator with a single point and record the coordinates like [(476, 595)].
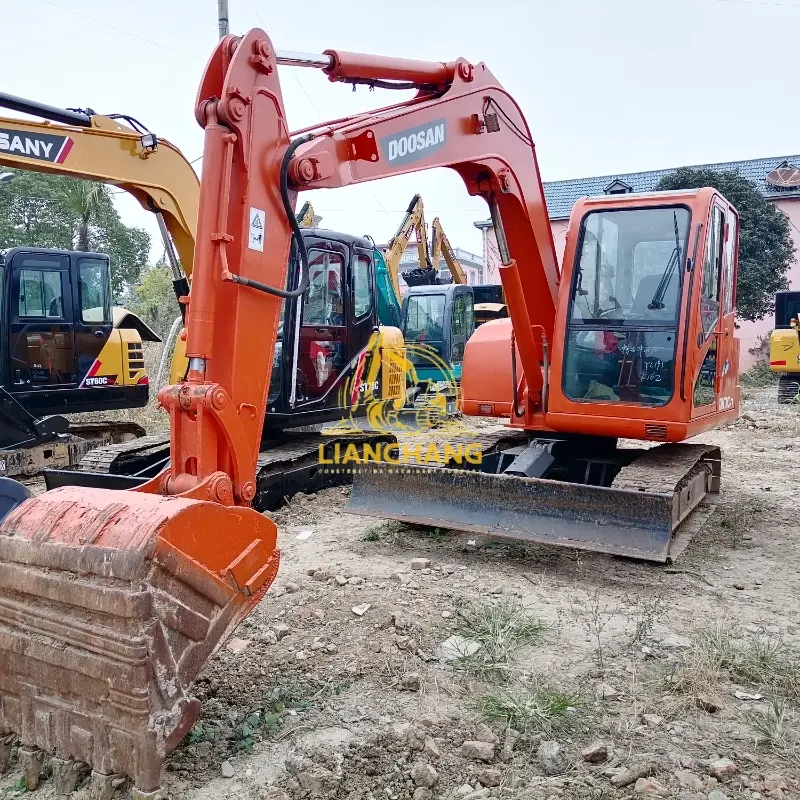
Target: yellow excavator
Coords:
[(66, 348), (784, 346)]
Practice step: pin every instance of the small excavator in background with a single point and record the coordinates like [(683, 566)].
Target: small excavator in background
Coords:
[(112, 602), (784, 346), (434, 313)]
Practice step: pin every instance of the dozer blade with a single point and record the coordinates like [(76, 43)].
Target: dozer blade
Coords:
[(633, 520), (110, 604)]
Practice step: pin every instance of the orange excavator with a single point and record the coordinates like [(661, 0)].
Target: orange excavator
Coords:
[(112, 601)]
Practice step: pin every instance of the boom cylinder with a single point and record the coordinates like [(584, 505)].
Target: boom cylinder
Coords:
[(342, 65)]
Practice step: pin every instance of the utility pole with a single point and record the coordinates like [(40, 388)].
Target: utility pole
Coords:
[(222, 9)]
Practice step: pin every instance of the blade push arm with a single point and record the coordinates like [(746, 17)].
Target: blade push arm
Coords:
[(107, 151)]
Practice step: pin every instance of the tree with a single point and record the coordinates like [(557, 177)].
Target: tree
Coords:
[(766, 249), (85, 199), (51, 211), (154, 299)]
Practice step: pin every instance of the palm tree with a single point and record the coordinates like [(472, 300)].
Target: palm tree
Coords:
[(85, 199)]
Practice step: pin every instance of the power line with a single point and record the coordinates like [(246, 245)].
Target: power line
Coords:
[(121, 30)]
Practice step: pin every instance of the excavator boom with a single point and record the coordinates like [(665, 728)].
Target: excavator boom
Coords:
[(441, 247), (97, 148)]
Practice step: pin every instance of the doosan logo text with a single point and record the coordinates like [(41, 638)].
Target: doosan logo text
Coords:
[(414, 143)]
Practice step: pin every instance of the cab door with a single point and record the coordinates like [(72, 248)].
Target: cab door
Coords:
[(322, 334), (715, 341), (91, 299), (462, 324), (41, 326)]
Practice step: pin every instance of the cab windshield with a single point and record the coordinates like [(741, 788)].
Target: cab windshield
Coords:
[(424, 323), (625, 305)]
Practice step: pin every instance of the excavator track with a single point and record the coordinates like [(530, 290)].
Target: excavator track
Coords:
[(127, 458), (298, 461), (643, 514), (68, 449)]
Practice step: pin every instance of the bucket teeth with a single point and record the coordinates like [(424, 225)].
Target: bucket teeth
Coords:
[(105, 787), (31, 759)]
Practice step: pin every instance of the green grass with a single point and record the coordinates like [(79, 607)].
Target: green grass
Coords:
[(539, 710), (502, 629)]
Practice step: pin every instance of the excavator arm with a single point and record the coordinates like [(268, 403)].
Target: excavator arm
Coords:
[(441, 247), (90, 146), (413, 222), (305, 216)]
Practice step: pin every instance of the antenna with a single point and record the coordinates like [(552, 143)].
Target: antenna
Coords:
[(784, 176)]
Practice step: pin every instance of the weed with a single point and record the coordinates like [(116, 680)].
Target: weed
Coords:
[(737, 521), (200, 734), (593, 617), (759, 376), (372, 535), (509, 548), (16, 788), (768, 662), (646, 613), (771, 728), (427, 532), (537, 710), (762, 660), (501, 629)]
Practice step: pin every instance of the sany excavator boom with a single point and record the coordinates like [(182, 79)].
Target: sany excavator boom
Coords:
[(111, 601)]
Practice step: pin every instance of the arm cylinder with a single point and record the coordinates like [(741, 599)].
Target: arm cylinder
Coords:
[(53, 113)]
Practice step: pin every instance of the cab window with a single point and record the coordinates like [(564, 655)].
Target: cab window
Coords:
[(362, 296), (712, 268), (625, 304), (730, 263), (323, 303), (93, 291), (40, 291)]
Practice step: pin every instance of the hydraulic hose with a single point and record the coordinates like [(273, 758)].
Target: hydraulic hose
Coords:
[(169, 345), (297, 234)]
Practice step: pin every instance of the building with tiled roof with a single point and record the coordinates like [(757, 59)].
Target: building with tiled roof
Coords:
[(561, 196)]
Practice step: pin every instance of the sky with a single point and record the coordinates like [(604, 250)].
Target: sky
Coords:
[(607, 86)]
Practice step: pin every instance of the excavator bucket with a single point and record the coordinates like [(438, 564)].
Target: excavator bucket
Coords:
[(110, 604), (643, 514)]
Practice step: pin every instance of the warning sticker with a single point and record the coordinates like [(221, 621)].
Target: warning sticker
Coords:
[(257, 218)]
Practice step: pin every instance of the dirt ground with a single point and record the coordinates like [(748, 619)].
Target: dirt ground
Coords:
[(592, 676)]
